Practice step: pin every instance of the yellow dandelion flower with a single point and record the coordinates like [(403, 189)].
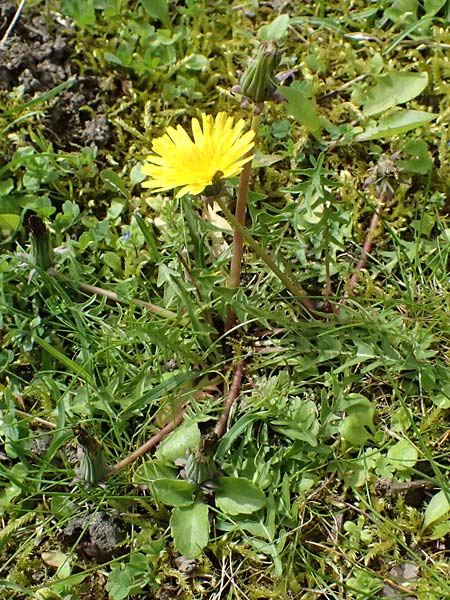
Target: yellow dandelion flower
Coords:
[(218, 150)]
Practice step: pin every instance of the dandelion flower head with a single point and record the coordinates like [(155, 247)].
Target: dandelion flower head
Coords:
[(218, 149)]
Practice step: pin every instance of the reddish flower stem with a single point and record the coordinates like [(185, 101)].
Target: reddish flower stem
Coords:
[(149, 445), (366, 250), (234, 280), (232, 395)]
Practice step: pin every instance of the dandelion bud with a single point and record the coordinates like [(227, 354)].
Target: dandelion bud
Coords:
[(200, 465), (258, 83), (93, 466), (40, 243)]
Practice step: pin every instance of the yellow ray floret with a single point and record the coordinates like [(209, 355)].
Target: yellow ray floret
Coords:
[(217, 148)]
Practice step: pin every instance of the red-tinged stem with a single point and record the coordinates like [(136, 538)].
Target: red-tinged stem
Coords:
[(232, 395), (149, 445), (238, 239), (367, 248), (368, 244)]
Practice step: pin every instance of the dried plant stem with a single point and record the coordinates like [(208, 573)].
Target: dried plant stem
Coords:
[(37, 420), (267, 259), (238, 239), (93, 289), (221, 425), (149, 445)]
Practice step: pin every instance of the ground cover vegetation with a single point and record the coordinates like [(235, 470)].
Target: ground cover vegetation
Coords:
[(176, 423)]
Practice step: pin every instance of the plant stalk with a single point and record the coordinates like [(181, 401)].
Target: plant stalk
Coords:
[(240, 212), (368, 245), (238, 239), (295, 290), (149, 445), (221, 425)]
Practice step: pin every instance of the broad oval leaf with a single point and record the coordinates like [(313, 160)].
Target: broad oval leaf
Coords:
[(403, 455), (190, 529), (9, 222), (174, 492), (150, 470), (393, 89), (238, 495), (114, 182), (438, 507), (184, 438), (357, 426)]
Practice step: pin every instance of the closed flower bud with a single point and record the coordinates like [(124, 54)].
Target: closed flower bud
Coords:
[(258, 83), (93, 467), (40, 243), (200, 466)]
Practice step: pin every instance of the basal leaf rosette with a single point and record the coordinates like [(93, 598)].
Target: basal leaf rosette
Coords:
[(218, 149)]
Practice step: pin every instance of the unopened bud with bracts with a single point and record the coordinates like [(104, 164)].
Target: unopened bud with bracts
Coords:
[(200, 466), (93, 467), (258, 83), (40, 243)]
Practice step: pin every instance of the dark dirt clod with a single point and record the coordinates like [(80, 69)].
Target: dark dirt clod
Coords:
[(101, 533), (37, 56), (40, 444), (32, 56)]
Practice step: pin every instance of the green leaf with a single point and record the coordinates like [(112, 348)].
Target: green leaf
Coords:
[(6, 187), (157, 9), (136, 175), (113, 260), (184, 438), (149, 237), (165, 387), (357, 427), (150, 470), (402, 455), (433, 6), (81, 11), (401, 9), (393, 89), (190, 529), (66, 361), (233, 434), (397, 122), (275, 30), (417, 157), (120, 583), (174, 492), (303, 109), (238, 495), (59, 560), (437, 508), (196, 62), (114, 182), (35, 101), (9, 222)]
